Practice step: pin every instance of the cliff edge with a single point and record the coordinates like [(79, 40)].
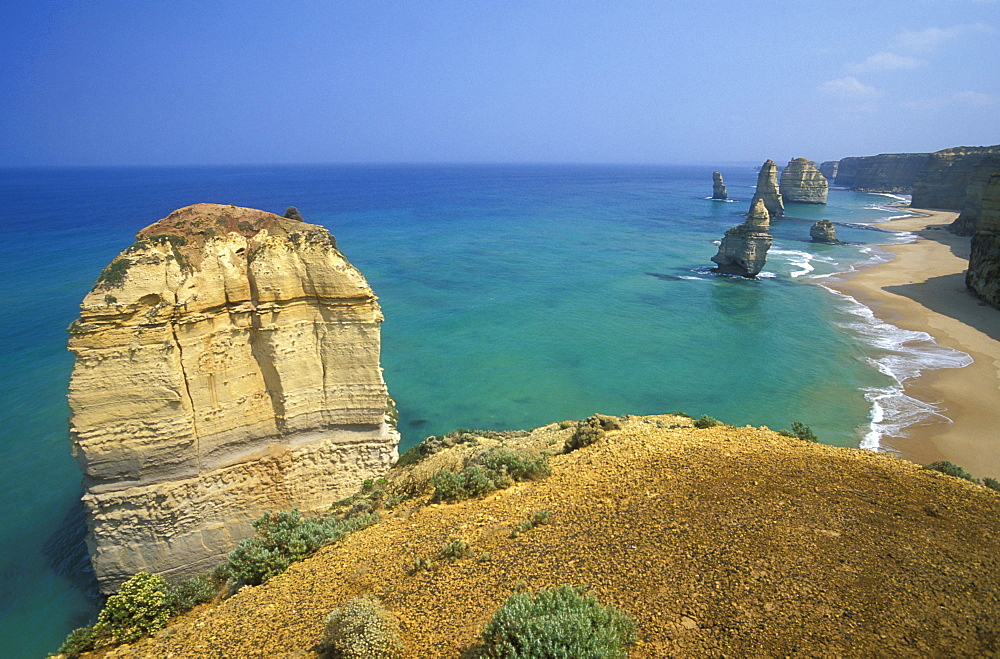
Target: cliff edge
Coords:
[(227, 363)]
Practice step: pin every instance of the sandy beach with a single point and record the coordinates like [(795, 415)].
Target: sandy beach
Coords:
[(922, 288)]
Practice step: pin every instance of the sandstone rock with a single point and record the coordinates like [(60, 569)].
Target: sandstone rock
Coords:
[(718, 187), (767, 190), (886, 172), (983, 275), (801, 182), (828, 169), (823, 232), (945, 177), (744, 247), (227, 363), (965, 223)]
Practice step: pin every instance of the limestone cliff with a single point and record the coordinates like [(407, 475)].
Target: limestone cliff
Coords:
[(965, 223), (983, 275), (828, 168), (718, 187), (227, 363), (744, 247), (886, 172), (767, 190), (802, 183), (945, 177), (824, 232)]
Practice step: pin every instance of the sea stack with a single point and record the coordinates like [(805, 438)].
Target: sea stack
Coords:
[(823, 232), (829, 169), (744, 247), (767, 190), (983, 275), (227, 364), (802, 183), (718, 187)]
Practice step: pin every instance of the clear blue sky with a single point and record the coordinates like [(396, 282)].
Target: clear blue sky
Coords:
[(116, 82)]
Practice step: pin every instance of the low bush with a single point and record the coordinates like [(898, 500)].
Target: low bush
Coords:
[(361, 629), (83, 640), (540, 517), (455, 550), (803, 432), (190, 593), (992, 483), (706, 422), (140, 607), (946, 467), (565, 621), (590, 430), (491, 470)]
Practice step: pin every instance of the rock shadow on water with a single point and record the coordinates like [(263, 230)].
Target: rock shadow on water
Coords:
[(66, 554)]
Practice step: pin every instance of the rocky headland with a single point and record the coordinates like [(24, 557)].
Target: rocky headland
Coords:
[(802, 183), (965, 224), (743, 250), (829, 168), (720, 541), (944, 179), (718, 187), (983, 275), (823, 231), (227, 363), (768, 191), (886, 172)]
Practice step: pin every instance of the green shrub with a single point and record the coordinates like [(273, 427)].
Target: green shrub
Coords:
[(786, 433), (803, 432), (456, 550), (190, 593), (540, 517), (285, 537), (706, 422), (361, 629), (946, 467), (992, 483), (590, 430), (492, 470), (114, 273), (140, 607), (564, 621), (518, 466), (83, 640)]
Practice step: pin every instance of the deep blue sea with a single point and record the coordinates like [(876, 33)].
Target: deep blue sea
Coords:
[(513, 295)]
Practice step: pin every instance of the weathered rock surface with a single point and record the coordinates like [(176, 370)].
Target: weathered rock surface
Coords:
[(983, 275), (828, 168), (744, 247), (227, 363), (767, 190), (802, 183), (944, 179), (824, 232), (965, 223), (886, 172), (718, 187)]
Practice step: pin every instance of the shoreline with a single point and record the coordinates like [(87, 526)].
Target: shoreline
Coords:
[(922, 289)]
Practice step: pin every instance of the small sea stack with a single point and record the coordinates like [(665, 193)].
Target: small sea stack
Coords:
[(823, 232), (718, 186), (802, 183), (767, 190), (744, 247)]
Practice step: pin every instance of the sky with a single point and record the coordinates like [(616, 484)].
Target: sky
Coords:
[(203, 82)]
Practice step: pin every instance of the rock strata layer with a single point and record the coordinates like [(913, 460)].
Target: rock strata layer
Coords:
[(886, 172), (802, 183), (767, 190), (965, 224), (744, 247), (983, 275), (227, 363), (824, 232), (944, 179), (718, 187)]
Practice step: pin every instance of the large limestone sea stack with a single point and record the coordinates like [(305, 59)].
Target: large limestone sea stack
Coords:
[(227, 363), (767, 190), (718, 187), (744, 247), (802, 183)]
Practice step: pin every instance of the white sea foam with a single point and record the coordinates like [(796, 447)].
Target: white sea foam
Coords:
[(905, 355)]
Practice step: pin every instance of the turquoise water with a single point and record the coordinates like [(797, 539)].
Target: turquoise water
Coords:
[(513, 295)]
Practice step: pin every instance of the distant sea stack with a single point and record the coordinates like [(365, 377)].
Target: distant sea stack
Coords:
[(965, 223), (718, 187), (983, 275), (744, 247), (767, 190), (227, 363), (802, 183), (829, 168), (944, 179), (887, 172), (824, 232)]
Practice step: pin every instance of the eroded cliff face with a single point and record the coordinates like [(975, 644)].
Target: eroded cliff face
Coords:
[(983, 275), (227, 363), (944, 179), (828, 168), (802, 183), (886, 172), (767, 190), (965, 223), (743, 250)]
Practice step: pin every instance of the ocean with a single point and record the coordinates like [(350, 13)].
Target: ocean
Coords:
[(514, 296)]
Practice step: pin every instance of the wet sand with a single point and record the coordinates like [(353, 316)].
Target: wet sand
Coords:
[(922, 288)]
